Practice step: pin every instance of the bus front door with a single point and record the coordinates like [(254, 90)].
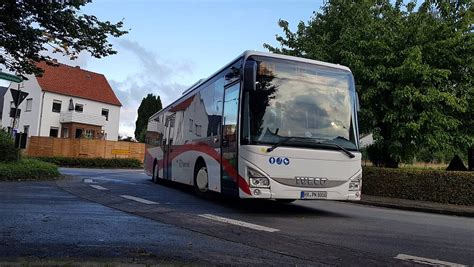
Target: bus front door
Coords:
[(229, 170), (168, 148)]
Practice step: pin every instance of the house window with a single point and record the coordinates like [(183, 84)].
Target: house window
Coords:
[(198, 130), (26, 129), (65, 133), (53, 132), (191, 123), (29, 104), (12, 104), (105, 113), (79, 108), (79, 133), (89, 134), (56, 106)]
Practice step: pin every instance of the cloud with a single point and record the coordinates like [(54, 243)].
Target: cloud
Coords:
[(155, 75)]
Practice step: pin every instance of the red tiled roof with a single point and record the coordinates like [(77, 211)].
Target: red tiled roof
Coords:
[(183, 105), (73, 81)]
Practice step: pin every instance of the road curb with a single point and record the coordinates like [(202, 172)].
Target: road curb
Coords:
[(415, 208)]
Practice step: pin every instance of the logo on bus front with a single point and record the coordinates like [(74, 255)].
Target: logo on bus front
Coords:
[(279, 160)]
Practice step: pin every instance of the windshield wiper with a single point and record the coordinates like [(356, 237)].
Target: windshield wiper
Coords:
[(325, 142), (270, 149), (345, 151)]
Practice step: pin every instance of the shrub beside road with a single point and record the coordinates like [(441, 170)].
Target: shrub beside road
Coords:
[(93, 162), (27, 169), (416, 184)]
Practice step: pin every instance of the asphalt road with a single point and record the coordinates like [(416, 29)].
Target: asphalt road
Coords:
[(120, 215)]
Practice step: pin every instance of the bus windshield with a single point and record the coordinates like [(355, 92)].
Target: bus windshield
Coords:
[(311, 104)]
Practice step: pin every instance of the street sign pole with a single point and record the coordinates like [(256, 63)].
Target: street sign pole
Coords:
[(18, 100), (16, 110)]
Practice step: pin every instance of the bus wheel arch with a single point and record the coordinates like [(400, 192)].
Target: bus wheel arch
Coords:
[(201, 178)]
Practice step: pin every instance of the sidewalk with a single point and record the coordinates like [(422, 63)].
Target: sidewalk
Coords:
[(423, 206)]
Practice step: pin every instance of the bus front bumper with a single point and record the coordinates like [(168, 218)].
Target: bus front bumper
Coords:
[(280, 191)]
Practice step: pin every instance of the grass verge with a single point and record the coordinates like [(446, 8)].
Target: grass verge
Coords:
[(28, 169)]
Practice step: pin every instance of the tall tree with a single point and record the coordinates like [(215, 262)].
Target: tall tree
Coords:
[(413, 69), (29, 28), (149, 106)]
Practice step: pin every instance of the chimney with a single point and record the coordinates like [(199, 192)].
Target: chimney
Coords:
[(77, 67)]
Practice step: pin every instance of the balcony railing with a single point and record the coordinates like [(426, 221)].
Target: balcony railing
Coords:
[(82, 117)]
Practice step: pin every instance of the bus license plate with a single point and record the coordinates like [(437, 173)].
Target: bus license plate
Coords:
[(314, 195)]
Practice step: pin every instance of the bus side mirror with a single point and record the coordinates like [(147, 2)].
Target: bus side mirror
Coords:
[(250, 75)]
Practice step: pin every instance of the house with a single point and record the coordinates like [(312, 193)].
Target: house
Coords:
[(3, 91), (66, 102)]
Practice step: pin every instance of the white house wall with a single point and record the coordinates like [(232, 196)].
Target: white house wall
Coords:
[(30, 118), (51, 119)]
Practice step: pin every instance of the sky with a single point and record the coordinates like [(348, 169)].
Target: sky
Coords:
[(173, 43)]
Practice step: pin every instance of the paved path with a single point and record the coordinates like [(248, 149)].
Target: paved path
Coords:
[(250, 232)]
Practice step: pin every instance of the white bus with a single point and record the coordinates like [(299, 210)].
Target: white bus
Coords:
[(264, 126)]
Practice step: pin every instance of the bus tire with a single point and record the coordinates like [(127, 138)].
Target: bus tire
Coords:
[(201, 179), (285, 200)]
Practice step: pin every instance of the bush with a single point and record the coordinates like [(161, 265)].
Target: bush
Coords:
[(416, 184), (8, 152), (27, 169), (93, 162)]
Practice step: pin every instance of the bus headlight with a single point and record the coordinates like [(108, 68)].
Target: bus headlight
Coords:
[(354, 185), (257, 179)]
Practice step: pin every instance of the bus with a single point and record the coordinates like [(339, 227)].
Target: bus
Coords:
[(264, 126)]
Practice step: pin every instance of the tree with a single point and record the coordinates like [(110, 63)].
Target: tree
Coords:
[(29, 28), (149, 106), (413, 69)]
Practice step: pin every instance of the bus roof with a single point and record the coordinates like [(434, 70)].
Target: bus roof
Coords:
[(249, 53), (246, 54)]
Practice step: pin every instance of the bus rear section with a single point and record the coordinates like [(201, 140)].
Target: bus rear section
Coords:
[(265, 126)]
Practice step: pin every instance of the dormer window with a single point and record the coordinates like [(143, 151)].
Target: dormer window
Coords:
[(79, 108)]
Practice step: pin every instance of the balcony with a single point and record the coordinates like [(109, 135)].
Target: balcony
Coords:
[(82, 117)]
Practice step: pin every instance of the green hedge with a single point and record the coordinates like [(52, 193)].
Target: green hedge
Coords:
[(27, 169), (415, 184), (8, 152), (93, 162)]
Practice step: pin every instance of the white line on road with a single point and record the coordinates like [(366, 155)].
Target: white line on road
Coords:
[(88, 181), (98, 187), (239, 223), (137, 199), (427, 261)]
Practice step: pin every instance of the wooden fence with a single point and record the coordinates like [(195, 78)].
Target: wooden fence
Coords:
[(85, 148)]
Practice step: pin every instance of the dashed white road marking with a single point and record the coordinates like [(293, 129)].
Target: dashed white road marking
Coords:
[(88, 181), (427, 261), (98, 187), (141, 200), (239, 223)]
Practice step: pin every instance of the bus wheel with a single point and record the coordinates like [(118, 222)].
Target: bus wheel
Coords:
[(201, 185), (284, 200)]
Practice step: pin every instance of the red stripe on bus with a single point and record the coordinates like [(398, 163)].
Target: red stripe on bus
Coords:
[(210, 151)]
